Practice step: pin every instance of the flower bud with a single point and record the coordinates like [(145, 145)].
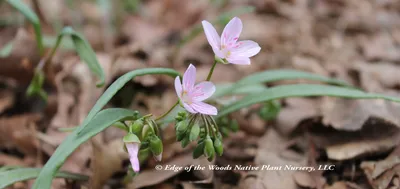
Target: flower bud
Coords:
[(185, 141), (209, 148), (199, 150), (180, 136), (219, 136), (219, 148), (146, 131), (156, 147), (144, 154), (182, 126), (183, 114), (194, 132), (131, 138), (136, 126)]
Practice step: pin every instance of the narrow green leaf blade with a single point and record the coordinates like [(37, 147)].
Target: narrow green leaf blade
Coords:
[(6, 50), (230, 89), (301, 90), (277, 75), (85, 52), (100, 122), (21, 174), (120, 82), (33, 18)]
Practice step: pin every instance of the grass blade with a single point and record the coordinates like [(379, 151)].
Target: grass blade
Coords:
[(33, 18), (277, 75), (21, 174), (120, 82), (100, 122), (84, 50), (301, 90)]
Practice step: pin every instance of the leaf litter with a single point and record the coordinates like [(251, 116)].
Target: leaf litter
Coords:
[(356, 41)]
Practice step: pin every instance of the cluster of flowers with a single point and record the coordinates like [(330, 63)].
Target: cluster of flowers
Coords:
[(199, 123)]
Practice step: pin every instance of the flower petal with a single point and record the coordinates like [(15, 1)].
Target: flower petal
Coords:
[(178, 87), (189, 108), (218, 52), (212, 36), (204, 108), (189, 78), (202, 91), (158, 157), (239, 60), (133, 149), (231, 32), (245, 48)]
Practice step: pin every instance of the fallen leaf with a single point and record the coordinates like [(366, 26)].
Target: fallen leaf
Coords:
[(18, 132), (153, 177), (6, 100), (375, 136), (271, 147), (304, 179), (350, 115), (107, 159), (294, 111)]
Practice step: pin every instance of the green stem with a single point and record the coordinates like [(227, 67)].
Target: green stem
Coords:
[(211, 71), (166, 113)]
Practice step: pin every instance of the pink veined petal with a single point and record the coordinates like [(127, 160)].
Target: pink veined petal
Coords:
[(202, 91), (189, 78), (239, 60), (204, 108), (231, 32), (133, 149), (178, 87), (212, 36), (189, 108), (245, 48)]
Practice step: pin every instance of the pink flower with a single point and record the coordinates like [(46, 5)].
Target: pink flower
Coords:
[(191, 96), (133, 149), (228, 47)]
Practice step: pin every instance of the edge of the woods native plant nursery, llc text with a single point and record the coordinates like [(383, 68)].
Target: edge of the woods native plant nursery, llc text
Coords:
[(268, 167)]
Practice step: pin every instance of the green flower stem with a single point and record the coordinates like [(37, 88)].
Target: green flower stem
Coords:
[(166, 113), (211, 71)]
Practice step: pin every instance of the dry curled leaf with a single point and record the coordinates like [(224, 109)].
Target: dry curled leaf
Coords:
[(375, 136)]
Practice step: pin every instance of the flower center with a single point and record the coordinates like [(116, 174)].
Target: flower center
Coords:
[(186, 98)]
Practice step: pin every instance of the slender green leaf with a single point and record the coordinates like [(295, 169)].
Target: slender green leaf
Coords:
[(8, 167), (119, 83), (84, 50), (225, 89), (224, 18), (49, 41), (33, 18), (6, 50), (21, 174), (277, 75), (101, 121), (301, 90)]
